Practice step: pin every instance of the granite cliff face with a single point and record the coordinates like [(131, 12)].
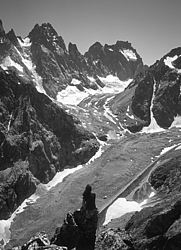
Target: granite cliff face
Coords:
[(37, 139)]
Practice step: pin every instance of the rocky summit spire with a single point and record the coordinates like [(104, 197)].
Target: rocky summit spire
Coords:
[(79, 229), (46, 35)]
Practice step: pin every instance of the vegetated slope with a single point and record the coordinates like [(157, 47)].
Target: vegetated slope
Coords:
[(37, 139)]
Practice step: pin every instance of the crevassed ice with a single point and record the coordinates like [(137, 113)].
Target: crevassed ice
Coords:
[(73, 96)]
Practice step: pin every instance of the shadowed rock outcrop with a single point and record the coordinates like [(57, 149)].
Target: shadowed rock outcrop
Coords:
[(37, 139)]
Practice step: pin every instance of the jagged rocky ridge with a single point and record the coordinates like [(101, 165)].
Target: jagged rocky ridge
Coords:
[(37, 139), (43, 57)]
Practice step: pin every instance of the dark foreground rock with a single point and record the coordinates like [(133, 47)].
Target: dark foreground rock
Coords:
[(39, 241), (79, 228)]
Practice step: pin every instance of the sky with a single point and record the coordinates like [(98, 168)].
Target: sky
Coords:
[(152, 26)]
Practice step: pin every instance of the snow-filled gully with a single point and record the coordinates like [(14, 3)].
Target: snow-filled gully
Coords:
[(5, 225)]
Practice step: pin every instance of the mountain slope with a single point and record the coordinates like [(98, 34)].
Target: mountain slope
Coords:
[(38, 138), (153, 96)]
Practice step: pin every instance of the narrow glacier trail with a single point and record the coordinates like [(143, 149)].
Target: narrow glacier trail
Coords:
[(121, 204), (5, 225)]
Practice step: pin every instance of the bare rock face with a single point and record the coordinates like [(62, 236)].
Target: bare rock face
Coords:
[(161, 87), (119, 59), (37, 139), (45, 58)]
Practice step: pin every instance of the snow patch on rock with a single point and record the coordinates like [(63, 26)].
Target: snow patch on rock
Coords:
[(75, 81), (153, 127), (8, 62), (177, 122), (24, 42), (58, 178), (128, 54), (168, 62), (122, 206)]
